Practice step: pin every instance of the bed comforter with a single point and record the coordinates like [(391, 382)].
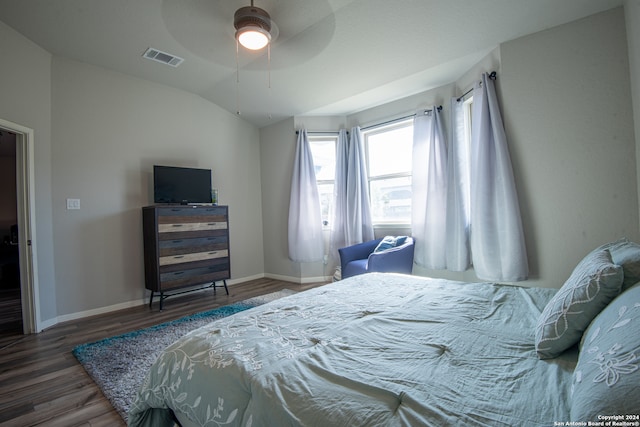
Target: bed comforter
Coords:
[(372, 350)]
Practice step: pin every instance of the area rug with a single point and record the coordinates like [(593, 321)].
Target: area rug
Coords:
[(119, 364)]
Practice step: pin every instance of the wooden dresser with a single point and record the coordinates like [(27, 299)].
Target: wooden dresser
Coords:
[(185, 246)]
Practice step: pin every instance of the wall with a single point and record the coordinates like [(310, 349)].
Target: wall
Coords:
[(567, 114), (108, 131), (565, 100), (277, 153), (632, 18), (25, 84)]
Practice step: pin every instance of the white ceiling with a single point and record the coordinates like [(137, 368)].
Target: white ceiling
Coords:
[(332, 57)]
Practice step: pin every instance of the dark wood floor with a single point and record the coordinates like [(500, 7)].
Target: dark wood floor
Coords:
[(41, 382), (10, 312)]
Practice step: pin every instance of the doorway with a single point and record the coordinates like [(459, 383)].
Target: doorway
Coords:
[(10, 294), (20, 237)]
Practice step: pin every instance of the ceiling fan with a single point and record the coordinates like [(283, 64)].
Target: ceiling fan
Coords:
[(208, 28), (254, 27)]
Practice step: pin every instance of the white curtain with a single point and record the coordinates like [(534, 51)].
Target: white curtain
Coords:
[(338, 223), (458, 250), (429, 190), (497, 239), (352, 221), (358, 224), (305, 221)]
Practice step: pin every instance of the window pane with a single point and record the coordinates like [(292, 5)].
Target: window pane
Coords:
[(390, 151), (325, 191), (324, 158), (391, 200)]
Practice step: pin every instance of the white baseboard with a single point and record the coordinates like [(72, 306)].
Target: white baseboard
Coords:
[(123, 305), (244, 279), (101, 310), (41, 326), (299, 280)]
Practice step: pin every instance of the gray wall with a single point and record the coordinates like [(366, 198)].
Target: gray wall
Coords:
[(277, 152), (567, 113), (97, 135), (25, 85), (108, 131), (632, 16)]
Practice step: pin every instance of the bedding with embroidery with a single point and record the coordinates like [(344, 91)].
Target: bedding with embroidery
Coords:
[(606, 380), (372, 350)]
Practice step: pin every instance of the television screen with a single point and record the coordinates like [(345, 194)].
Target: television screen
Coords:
[(181, 185)]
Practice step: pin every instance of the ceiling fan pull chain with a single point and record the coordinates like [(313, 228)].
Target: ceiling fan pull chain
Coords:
[(269, 65), (269, 78), (237, 79)]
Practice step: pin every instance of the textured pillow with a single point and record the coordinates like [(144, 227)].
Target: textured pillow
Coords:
[(389, 242), (626, 254), (606, 380), (593, 284)]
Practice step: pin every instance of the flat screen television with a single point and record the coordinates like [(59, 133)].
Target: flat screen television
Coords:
[(181, 185)]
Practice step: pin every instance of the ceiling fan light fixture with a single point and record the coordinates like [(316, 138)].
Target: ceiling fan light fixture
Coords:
[(253, 27), (253, 38)]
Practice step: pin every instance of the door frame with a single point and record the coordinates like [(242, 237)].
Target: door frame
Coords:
[(25, 191)]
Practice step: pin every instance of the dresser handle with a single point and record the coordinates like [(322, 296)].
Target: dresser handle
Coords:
[(177, 273), (178, 256), (176, 225)]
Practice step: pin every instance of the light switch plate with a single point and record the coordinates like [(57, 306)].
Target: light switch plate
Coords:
[(73, 204)]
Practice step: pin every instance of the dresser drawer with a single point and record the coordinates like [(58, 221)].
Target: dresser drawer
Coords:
[(192, 257), (192, 211), (191, 226), (185, 246), (190, 273), (196, 276)]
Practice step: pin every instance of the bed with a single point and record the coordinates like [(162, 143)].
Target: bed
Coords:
[(384, 349)]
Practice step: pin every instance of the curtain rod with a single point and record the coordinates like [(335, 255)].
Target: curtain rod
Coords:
[(328, 132), (492, 76), (439, 108)]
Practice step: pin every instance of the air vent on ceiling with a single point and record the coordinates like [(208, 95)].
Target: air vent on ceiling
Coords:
[(163, 57)]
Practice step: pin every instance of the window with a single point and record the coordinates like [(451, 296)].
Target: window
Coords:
[(464, 158), (389, 165), (388, 150), (323, 149), (468, 107)]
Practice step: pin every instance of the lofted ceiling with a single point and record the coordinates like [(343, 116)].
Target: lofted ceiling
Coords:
[(331, 57)]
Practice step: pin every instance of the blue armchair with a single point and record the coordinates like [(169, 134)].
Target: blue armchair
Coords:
[(361, 258)]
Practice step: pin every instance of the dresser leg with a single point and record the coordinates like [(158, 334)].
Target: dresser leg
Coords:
[(224, 282), (150, 299)]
